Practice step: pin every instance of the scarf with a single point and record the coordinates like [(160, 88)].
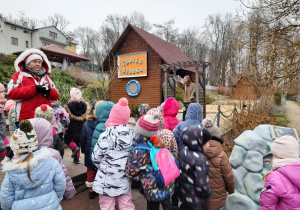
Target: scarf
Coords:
[(37, 73), (277, 163), (2, 103)]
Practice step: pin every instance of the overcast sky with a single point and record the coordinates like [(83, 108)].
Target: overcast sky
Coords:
[(93, 12)]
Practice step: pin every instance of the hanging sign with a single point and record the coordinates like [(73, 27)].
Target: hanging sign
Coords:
[(132, 65)]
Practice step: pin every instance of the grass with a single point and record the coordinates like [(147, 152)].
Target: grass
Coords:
[(99, 83), (281, 120)]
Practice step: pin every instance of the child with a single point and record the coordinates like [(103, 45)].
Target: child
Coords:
[(31, 85), (143, 109), (193, 181), (85, 144), (2, 122), (43, 131), (193, 117), (46, 112), (61, 118), (170, 112), (282, 185), (75, 95), (139, 164), (220, 171), (110, 157), (78, 110), (131, 122), (33, 180), (10, 108)]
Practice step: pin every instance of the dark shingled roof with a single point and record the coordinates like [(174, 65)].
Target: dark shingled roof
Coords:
[(167, 51)]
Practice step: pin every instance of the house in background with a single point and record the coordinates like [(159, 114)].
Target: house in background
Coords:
[(14, 37)]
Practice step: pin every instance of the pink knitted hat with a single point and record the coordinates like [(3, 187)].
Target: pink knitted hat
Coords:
[(9, 105), (2, 88), (75, 94), (119, 114)]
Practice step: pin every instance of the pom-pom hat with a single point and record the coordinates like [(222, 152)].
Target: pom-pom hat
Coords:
[(147, 126), (211, 127), (119, 114), (44, 111), (24, 139), (75, 94)]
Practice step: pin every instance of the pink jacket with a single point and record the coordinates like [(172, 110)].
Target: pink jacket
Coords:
[(282, 189), (171, 109)]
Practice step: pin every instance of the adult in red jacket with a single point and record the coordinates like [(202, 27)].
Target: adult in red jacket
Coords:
[(31, 85)]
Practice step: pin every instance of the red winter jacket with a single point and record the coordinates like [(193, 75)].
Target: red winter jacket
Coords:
[(21, 87)]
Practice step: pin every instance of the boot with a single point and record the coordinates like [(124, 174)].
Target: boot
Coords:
[(76, 160), (75, 149), (92, 194)]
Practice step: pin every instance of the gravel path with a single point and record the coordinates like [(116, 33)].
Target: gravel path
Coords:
[(293, 114)]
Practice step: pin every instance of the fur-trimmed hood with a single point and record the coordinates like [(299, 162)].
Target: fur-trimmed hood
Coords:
[(20, 61), (91, 118), (82, 108)]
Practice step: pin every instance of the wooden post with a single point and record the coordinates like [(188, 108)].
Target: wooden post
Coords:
[(233, 115), (166, 83), (197, 85)]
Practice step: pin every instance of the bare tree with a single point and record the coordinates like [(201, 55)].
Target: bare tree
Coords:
[(57, 20), (138, 19), (83, 36), (167, 31)]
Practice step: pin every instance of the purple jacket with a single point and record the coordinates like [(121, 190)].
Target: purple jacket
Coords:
[(43, 130), (170, 112), (282, 189)]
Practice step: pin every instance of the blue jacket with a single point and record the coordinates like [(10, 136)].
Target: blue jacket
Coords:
[(193, 117), (86, 140), (18, 192), (102, 113)]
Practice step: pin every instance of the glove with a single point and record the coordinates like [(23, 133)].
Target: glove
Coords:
[(47, 90), (39, 88)]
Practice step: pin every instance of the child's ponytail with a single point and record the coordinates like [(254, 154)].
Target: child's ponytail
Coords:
[(27, 159)]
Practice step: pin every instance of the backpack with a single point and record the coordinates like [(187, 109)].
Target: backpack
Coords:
[(163, 162)]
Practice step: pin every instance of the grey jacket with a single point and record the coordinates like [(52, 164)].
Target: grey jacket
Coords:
[(12, 122), (2, 131)]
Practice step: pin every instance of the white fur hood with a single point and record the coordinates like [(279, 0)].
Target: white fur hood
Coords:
[(19, 62)]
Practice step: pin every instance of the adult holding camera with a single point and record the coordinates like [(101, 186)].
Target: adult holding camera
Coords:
[(31, 85), (189, 92)]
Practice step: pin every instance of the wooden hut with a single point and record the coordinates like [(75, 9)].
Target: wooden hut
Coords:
[(137, 55), (245, 89)]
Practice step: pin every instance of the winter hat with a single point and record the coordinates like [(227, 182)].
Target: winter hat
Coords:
[(147, 126), (33, 57), (119, 114), (2, 88), (24, 139), (285, 147), (161, 107), (131, 122), (55, 104), (46, 112), (143, 109), (75, 94), (9, 105), (211, 127)]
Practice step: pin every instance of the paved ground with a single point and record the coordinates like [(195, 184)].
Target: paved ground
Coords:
[(293, 114)]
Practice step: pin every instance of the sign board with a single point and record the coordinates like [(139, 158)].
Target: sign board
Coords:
[(278, 131), (132, 65)]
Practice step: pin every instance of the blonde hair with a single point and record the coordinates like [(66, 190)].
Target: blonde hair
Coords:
[(27, 159), (266, 174)]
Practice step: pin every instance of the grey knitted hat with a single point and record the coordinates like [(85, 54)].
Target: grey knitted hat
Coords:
[(211, 127)]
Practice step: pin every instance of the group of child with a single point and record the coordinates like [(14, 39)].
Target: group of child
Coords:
[(118, 149)]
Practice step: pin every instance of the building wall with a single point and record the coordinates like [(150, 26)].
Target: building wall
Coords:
[(150, 85), (71, 48), (6, 33), (42, 35)]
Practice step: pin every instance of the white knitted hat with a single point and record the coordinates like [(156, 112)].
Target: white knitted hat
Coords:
[(46, 112), (211, 127), (285, 147), (24, 139), (33, 57)]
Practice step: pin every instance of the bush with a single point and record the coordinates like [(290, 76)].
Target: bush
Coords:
[(134, 110), (208, 99), (8, 60), (6, 73), (281, 120), (277, 98), (95, 93)]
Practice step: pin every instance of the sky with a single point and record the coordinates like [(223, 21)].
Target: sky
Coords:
[(187, 13)]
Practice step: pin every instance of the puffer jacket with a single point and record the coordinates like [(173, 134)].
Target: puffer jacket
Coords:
[(165, 135), (60, 115), (139, 165), (57, 145), (110, 157), (77, 110), (18, 192), (220, 175), (282, 189), (170, 112), (193, 179), (12, 122), (86, 140), (193, 117), (21, 87), (2, 131), (43, 130), (102, 113)]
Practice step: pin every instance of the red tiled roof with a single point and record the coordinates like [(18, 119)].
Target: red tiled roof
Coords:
[(167, 51), (60, 52)]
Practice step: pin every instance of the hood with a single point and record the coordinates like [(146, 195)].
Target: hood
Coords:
[(120, 142), (160, 117), (55, 104), (103, 111), (91, 117), (78, 110), (18, 172), (291, 172), (194, 136), (20, 61), (171, 107), (214, 150), (91, 124), (43, 131), (194, 112)]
